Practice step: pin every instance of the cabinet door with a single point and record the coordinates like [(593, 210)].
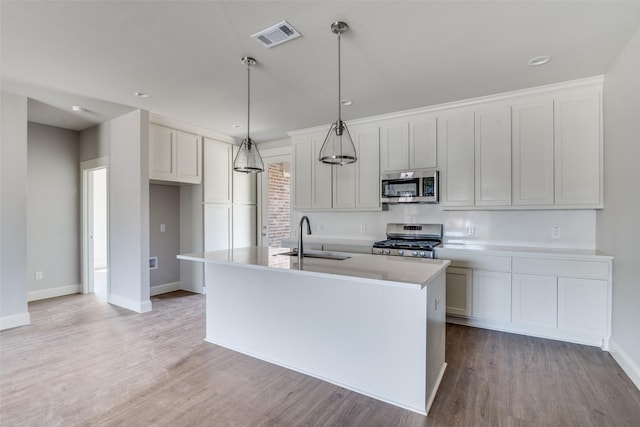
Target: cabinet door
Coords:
[(394, 146), (344, 185), (367, 140), (162, 153), (217, 227), (244, 225), (493, 157), (244, 185), (456, 158), (302, 172), (217, 171), (423, 142), (459, 291), (322, 181), (578, 150), (188, 158), (532, 146), (535, 300), (492, 295), (582, 305)]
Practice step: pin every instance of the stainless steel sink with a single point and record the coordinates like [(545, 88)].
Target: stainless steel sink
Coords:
[(322, 255)]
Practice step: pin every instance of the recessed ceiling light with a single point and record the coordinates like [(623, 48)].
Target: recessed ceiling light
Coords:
[(346, 102), (78, 108), (236, 126), (539, 60), (141, 94)]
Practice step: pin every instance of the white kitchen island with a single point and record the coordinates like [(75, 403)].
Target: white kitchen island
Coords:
[(372, 324)]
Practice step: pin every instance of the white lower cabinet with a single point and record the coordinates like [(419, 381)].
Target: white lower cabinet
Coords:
[(535, 300), (491, 295), (217, 227), (562, 297), (581, 305), (459, 291)]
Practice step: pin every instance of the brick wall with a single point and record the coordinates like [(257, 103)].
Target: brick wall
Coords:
[(279, 204)]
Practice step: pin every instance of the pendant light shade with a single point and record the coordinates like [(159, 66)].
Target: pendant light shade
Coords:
[(338, 147), (248, 159)]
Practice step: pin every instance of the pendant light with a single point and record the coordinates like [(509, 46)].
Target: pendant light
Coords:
[(338, 148), (248, 159)]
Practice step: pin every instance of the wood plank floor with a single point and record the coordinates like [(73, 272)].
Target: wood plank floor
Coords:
[(83, 362)]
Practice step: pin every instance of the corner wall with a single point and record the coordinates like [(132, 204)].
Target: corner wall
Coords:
[(129, 211), (13, 211), (53, 214), (617, 224)]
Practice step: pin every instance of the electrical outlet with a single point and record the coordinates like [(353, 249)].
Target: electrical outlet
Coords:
[(556, 232), (39, 275), (363, 228), (471, 230), (162, 228)]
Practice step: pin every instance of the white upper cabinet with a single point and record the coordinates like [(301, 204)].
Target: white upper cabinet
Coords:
[(244, 185), (162, 153), (408, 143), (357, 185), (423, 142), (188, 158), (174, 155), (493, 156), (394, 146), (312, 180), (319, 186), (456, 155), (578, 150), (217, 171), (532, 145)]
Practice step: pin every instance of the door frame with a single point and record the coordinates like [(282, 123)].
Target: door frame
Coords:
[(275, 155), (87, 219)]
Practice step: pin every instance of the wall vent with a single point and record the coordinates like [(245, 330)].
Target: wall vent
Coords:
[(276, 34)]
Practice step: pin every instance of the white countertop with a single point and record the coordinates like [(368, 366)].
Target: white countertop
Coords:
[(481, 249), (371, 268)]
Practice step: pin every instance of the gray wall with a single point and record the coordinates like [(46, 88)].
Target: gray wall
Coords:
[(164, 208), (53, 211), (13, 211), (617, 225)]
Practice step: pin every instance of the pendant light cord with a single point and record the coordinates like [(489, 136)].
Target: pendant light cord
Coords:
[(248, 101), (339, 84)]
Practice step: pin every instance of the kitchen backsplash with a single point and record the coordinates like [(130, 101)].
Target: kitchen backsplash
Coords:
[(539, 228)]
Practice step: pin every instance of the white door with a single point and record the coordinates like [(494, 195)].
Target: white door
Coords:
[(275, 201), (95, 260)]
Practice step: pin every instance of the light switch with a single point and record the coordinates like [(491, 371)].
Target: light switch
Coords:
[(162, 228)]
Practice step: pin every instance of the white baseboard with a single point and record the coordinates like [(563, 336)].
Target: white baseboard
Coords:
[(164, 288), (54, 292), (8, 322), (625, 362), (129, 304)]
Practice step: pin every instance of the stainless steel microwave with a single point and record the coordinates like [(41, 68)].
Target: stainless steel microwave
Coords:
[(420, 186)]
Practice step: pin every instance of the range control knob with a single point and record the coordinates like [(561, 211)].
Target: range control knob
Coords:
[(387, 251), (381, 251), (400, 252), (414, 253), (423, 254)]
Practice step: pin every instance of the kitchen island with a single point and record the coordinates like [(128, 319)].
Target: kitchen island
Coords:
[(372, 324)]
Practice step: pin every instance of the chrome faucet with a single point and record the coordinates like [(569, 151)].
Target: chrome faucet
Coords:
[(300, 247)]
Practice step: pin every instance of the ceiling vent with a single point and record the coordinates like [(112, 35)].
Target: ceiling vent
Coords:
[(277, 34)]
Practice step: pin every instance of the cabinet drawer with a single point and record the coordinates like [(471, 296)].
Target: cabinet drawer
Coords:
[(479, 262), (567, 268)]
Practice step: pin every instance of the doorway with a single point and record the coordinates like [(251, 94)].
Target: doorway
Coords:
[(276, 201), (95, 261)]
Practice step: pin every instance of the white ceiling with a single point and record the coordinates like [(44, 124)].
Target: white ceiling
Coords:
[(398, 55)]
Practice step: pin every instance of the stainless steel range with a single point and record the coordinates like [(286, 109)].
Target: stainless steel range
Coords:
[(413, 240)]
